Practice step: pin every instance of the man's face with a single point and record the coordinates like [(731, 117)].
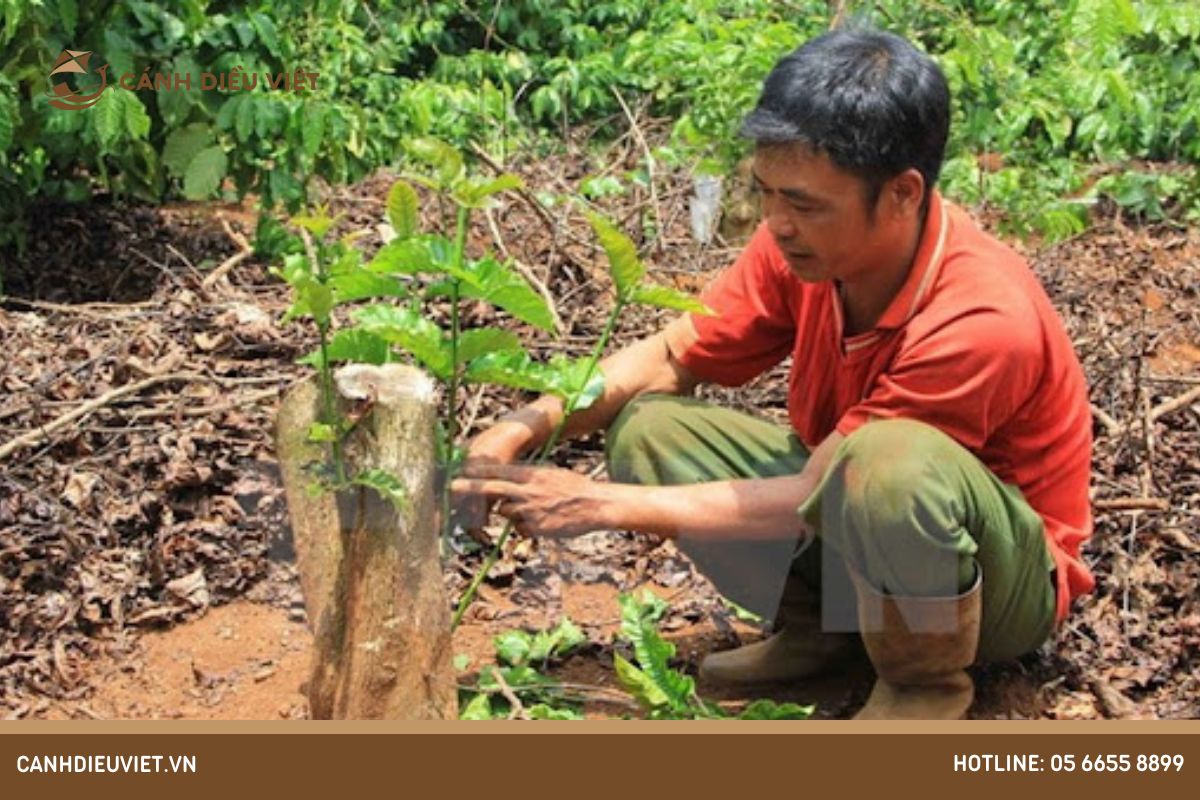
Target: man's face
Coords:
[(819, 216)]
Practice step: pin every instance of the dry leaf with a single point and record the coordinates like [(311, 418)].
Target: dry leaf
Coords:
[(79, 488), (191, 588)]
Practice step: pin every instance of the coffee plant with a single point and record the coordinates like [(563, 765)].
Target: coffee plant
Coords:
[(432, 274)]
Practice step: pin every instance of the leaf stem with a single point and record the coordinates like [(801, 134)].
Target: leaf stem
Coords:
[(329, 410), (327, 400), (460, 244)]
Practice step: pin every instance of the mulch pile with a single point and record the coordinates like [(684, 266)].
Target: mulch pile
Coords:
[(145, 508)]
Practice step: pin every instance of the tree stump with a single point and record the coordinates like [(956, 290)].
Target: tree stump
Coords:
[(370, 569)]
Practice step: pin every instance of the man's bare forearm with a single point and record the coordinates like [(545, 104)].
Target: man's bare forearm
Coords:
[(758, 508), (762, 508)]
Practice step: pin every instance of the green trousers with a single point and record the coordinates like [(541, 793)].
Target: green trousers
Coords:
[(902, 503)]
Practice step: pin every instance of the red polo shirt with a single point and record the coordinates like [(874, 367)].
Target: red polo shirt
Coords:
[(971, 345)]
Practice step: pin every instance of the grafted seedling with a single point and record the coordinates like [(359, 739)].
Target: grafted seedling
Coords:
[(630, 287), (420, 268)]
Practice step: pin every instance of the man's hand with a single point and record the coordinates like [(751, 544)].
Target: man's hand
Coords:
[(540, 501), (501, 444)]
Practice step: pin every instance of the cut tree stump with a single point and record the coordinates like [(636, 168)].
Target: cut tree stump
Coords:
[(370, 570)]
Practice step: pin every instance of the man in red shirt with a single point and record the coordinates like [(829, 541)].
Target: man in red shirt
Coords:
[(930, 498)]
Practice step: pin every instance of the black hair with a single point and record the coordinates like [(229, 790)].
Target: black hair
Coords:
[(868, 99)]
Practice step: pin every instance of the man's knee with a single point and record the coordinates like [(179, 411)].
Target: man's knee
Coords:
[(900, 513), (633, 430), (887, 461)]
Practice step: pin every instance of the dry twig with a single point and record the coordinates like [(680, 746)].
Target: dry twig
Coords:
[(641, 140), (29, 437), (1175, 403), (1132, 504), (103, 311), (204, 411), (1113, 427), (228, 264), (518, 708), (525, 271)]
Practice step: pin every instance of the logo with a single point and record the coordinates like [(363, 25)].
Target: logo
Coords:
[(75, 62)]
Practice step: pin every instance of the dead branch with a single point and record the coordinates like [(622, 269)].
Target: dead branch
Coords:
[(1132, 504), (228, 264), (518, 708), (44, 431), (522, 192), (204, 411), (641, 140), (525, 271), (1175, 403), (102, 311), (1113, 427)]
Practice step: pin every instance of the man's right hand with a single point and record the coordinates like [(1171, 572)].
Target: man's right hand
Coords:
[(503, 443)]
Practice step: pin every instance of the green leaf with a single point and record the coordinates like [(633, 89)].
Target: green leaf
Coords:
[(68, 16), (321, 432), (137, 121), (445, 160), (653, 653), (313, 298), (556, 642), (108, 118), (7, 123), (412, 256), (769, 709), (360, 285), (313, 132), (500, 285), (403, 209), (480, 707), (514, 369), (174, 106), (627, 269), (205, 173), (267, 32), (582, 384), (227, 113), (544, 711), (246, 114), (562, 377), (639, 684), (666, 297), (594, 187), (390, 487), (351, 344), (407, 329), (295, 268), (512, 647), (317, 223), (182, 146), (478, 342), (518, 648), (474, 193), (461, 662)]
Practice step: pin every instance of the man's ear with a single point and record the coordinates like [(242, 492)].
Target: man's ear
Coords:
[(905, 192)]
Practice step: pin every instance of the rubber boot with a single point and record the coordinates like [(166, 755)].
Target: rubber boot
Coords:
[(921, 648), (799, 649)]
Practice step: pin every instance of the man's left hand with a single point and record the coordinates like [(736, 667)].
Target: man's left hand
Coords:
[(540, 501)]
